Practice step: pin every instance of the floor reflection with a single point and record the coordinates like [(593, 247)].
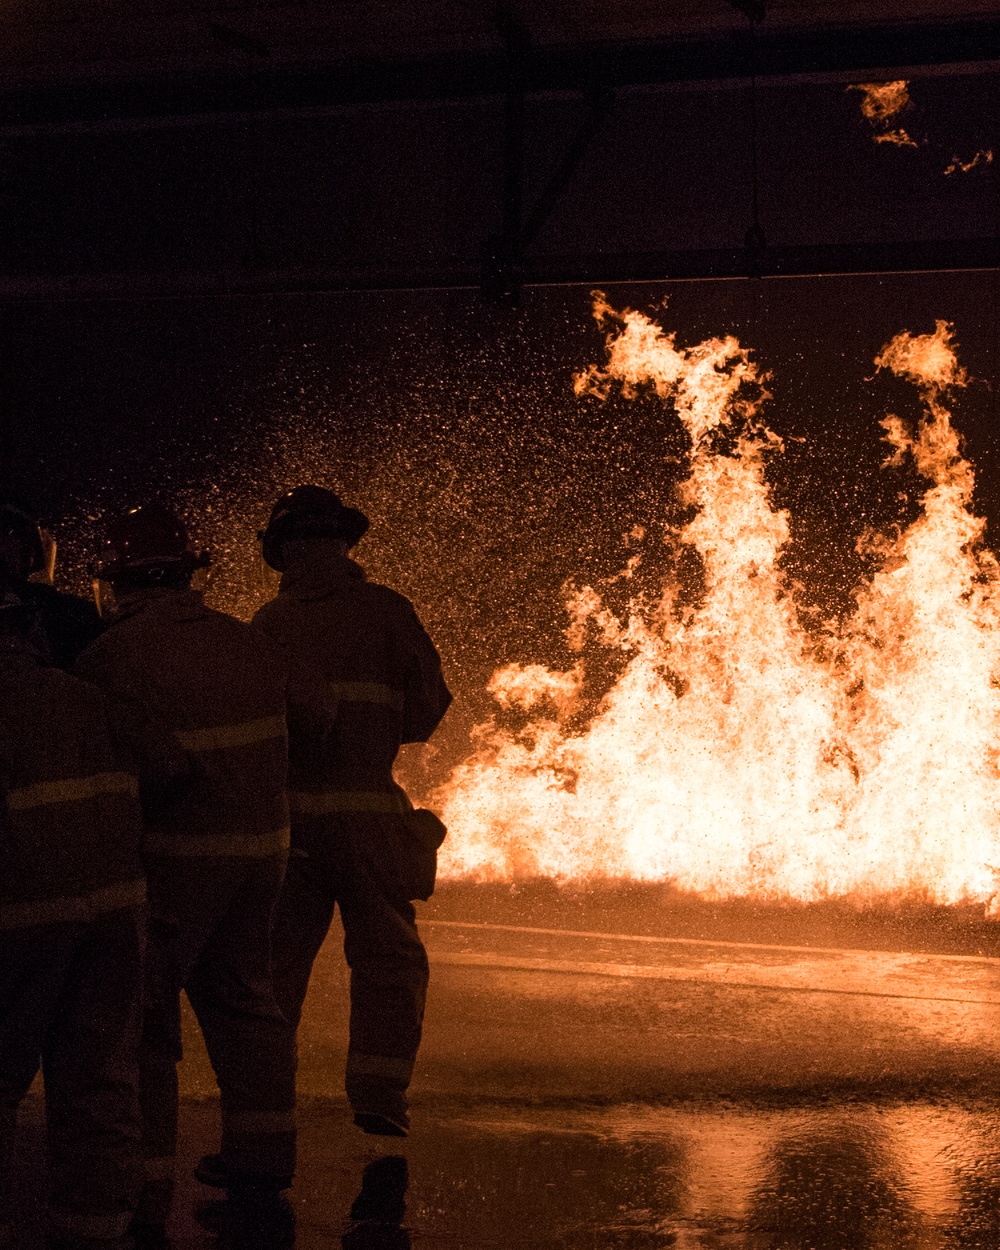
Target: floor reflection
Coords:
[(815, 1177), (831, 1190), (378, 1211), (822, 1174), (243, 1223), (976, 1222), (505, 1184)]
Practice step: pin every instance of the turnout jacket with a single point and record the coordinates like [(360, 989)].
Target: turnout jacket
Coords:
[(219, 690), (70, 820), (364, 677), (65, 623)]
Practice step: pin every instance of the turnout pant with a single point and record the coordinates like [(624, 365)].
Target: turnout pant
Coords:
[(210, 936), (70, 997), (353, 861)]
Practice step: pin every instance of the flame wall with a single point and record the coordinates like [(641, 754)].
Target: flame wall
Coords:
[(739, 752)]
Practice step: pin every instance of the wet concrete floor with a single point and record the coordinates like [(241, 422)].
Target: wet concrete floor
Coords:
[(579, 1090)]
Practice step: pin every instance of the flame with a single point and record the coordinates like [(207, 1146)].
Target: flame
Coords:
[(882, 100), (880, 103), (899, 138), (738, 754), (983, 157), (527, 685)]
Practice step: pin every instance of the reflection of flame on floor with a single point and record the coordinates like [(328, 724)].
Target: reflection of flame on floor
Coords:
[(737, 755)]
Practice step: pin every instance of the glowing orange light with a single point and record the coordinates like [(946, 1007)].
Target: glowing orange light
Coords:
[(737, 754)]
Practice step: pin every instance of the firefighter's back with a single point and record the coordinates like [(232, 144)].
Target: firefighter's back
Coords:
[(72, 821), (71, 893), (215, 853), (220, 690)]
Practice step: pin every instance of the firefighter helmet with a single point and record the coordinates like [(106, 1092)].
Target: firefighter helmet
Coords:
[(309, 512), (148, 539), (17, 522)]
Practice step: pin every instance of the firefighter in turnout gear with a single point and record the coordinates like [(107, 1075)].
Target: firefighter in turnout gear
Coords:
[(63, 624), (215, 857), (364, 678), (72, 895)]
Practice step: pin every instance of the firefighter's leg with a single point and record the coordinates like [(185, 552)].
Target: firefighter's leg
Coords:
[(301, 922), (160, 1051), (33, 965), (250, 1043), (91, 1085), (388, 986)]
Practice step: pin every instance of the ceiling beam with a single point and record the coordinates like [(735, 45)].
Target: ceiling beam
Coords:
[(723, 264), (780, 54)]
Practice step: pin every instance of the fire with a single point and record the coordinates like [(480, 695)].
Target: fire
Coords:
[(957, 166), (883, 100), (880, 103), (899, 138), (739, 753)]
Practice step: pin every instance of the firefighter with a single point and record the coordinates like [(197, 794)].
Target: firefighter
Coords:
[(364, 678), (65, 623), (215, 859), (72, 894)]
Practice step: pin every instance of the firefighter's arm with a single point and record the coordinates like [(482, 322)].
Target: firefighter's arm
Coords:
[(426, 698)]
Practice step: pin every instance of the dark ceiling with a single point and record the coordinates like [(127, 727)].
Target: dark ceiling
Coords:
[(164, 147), (56, 40)]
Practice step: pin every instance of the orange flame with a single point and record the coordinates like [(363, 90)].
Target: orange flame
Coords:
[(957, 166), (737, 755), (880, 103)]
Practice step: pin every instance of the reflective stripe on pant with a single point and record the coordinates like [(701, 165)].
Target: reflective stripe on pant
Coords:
[(210, 936), (70, 996), (348, 861)]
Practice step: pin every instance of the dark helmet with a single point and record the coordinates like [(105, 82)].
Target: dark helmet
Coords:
[(17, 522), (147, 540), (309, 512)]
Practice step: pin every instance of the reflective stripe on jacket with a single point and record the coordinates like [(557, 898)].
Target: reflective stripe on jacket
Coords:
[(364, 678), (220, 690), (70, 821)]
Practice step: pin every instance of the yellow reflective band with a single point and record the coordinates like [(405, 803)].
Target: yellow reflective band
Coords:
[(248, 846), (160, 1169), (77, 910), (244, 734), (367, 692), (309, 803), (70, 790), (94, 1227), (258, 1122), (379, 1065)]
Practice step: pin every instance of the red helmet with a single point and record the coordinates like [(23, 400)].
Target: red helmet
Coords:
[(147, 539), (309, 512)]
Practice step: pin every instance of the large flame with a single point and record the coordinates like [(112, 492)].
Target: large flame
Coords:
[(738, 753)]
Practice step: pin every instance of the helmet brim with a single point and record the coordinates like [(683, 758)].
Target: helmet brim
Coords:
[(349, 526)]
